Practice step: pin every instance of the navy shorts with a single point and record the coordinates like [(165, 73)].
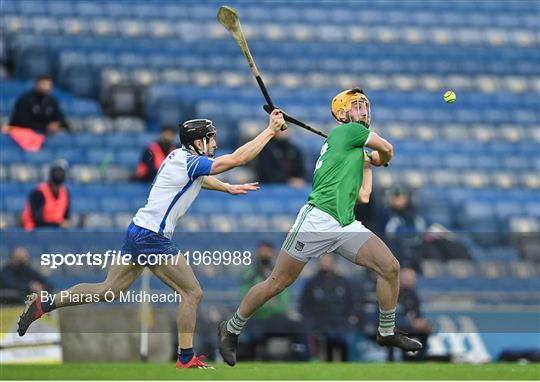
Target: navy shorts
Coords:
[(147, 247)]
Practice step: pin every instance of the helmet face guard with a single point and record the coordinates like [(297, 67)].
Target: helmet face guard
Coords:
[(194, 129), (349, 99), (362, 107)]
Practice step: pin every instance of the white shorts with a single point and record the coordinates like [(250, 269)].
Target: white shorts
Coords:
[(315, 233)]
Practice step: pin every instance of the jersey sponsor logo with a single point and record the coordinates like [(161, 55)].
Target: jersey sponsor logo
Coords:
[(299, 246)]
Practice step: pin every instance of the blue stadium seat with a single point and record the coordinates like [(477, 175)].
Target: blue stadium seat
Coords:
[(60, 8), (87, 140), (39, 157), (89, 9), (11, 155), (32, 62), (115, 204), (58, 141), (504, 210), (32, 7), (127, 157), (84, 204)]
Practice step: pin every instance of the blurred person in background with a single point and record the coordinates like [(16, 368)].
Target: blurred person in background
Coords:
[(18, 278), (412, 239), (409, 315), (281, 162), (39, 110), (155, 153), (272, 320), (367, 214), (402, 213), (441, 244), (48, 204), (403, 228), (258, 271), (327, 309)]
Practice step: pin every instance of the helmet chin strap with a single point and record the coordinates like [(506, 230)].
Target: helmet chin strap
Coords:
[(205, 148), (194, 148)]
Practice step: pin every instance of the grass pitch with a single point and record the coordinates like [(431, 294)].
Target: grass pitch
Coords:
[(272, 371)]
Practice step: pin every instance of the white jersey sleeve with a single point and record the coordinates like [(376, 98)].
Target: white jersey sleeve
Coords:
[(175, 187)]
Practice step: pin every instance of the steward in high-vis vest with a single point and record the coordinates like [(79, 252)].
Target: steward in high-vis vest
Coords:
[(48, 203), (155, 153)]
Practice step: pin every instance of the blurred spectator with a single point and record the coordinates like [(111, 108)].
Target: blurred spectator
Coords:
[(409, 315), (327, 310), (403, 217), (155, 153), (38, 109), (441, 244), (412, 240), (19, 279), (48, 204), (259, 271), (271, 320), (281, 162), (404, 227)]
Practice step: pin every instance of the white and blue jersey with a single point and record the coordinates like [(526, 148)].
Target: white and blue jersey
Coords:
[(175, 187)]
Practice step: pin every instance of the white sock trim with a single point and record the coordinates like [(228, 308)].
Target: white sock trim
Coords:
[(241, 317), (236, 323), (384, 333)]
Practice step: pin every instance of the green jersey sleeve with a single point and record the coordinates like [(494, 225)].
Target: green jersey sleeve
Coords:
[(358, 134)]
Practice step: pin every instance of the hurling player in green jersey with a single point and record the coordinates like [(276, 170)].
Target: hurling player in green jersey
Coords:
[(327, 224)]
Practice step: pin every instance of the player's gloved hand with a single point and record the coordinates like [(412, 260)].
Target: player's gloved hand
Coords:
[(276, 121)]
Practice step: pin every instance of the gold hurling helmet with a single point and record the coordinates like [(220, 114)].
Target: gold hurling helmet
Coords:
[(345, 100)]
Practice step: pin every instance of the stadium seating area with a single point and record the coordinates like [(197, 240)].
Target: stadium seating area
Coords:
[(125, 70)]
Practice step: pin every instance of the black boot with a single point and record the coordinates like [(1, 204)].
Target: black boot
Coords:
[(399, 340), (228, 343)]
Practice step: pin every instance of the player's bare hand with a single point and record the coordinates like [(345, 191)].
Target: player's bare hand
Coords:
[(276, 121), (241, 189), (367, 160), (375, 159)]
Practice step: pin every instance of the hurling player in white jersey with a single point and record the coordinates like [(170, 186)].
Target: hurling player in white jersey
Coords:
[(176, 185)]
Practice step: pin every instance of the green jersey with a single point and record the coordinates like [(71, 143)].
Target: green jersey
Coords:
[(339, 172)]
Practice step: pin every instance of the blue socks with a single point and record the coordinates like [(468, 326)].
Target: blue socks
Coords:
[(185, 355)]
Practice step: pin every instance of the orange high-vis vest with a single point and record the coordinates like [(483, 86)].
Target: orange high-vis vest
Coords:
[(157, 157), (54, 209)]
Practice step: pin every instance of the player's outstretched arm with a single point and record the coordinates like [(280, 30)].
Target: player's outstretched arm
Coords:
[(212, 183), (365, 190), (383, 149), (251, 149)]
